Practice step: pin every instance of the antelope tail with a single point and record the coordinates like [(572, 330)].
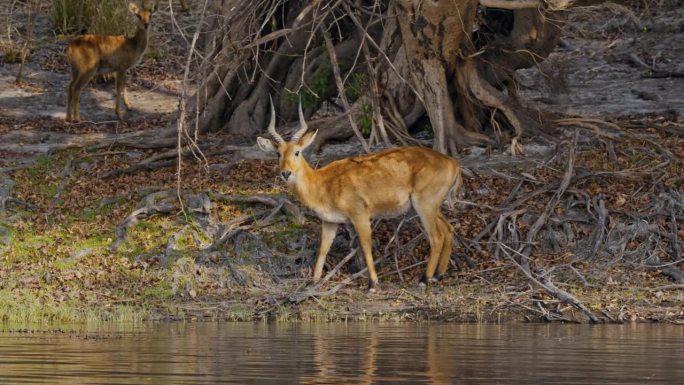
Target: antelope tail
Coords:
[(453, 191)]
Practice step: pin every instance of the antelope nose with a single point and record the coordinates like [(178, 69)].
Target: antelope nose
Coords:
[(285, 174)]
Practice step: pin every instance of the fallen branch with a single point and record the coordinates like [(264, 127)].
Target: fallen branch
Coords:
[(667, 270), (165, 159), (653, 72), (550, 287), (669, 287), (277, 201), (301, 296)]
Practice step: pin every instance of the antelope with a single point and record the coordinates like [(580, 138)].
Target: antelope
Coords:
[(89, 55), (384, 184)]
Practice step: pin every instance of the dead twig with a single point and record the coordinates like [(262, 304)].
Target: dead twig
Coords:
[(341, 92), (550, 287), (669, 287)]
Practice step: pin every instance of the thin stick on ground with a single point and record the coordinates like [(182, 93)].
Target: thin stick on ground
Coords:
[(549, 286)]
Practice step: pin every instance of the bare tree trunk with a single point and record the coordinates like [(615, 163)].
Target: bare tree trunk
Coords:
[(404, 60), (436, 36)]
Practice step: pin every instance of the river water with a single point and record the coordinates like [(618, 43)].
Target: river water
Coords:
[(346, 353)]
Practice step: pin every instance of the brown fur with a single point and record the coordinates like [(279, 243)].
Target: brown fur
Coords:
[(383, 184), (90, 55)]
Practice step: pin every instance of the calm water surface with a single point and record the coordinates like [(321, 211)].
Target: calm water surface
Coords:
[(354, 353)]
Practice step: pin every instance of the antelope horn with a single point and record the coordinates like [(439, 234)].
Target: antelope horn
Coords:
[(302, 124), (271, 125)]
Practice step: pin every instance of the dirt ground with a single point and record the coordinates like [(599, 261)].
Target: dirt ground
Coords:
[(85, 219)]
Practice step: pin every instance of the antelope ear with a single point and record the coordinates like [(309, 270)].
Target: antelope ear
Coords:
[(132, 8), (308, 139), (266, 145)]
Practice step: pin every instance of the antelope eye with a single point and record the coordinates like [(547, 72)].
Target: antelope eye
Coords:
[(296, 153)]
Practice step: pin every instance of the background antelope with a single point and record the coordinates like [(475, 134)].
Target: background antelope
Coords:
[(89, 55), (384, 184)]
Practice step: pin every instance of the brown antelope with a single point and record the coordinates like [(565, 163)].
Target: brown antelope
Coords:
[(384, 184), (89, 55)]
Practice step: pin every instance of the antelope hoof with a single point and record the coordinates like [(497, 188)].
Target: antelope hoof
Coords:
[(373, 287), (426, 281)]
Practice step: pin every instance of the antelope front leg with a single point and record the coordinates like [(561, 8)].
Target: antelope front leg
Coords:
[(120, 89), (328, 231), (125, 98)]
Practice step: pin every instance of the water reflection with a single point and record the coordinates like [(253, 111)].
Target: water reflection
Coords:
[(347, 353)]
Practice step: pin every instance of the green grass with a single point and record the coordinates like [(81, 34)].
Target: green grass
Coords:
[(161, 291), (102, 207), (28, 246)]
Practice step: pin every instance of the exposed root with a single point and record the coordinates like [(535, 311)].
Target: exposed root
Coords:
[(199, 206), (161, 202), (496, 100)]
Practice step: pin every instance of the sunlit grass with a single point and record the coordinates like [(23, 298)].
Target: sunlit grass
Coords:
[(22, 307)]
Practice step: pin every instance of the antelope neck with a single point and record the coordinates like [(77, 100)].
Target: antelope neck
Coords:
[(305, 186), (141, 38)]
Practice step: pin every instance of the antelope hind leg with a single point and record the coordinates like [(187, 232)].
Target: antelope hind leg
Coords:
[(363, 231)]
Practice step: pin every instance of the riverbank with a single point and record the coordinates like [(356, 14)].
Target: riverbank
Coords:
[(72, 252), (93, 226)]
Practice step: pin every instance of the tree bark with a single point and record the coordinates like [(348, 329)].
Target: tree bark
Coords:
[(435, 35)]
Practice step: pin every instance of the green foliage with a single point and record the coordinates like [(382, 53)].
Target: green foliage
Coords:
[(106, 17), (365, 119), (357, 86)]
